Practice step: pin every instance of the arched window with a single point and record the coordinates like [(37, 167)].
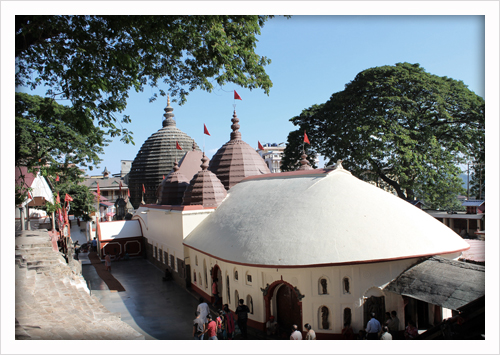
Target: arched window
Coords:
[(228, 291), (323, 286), (250, 303), (347, 316), (248, 279), (236, 275), (194, 276), (346, 285), (324, 317), (205, 272), (199, 277), (196, 260), (236, 298)]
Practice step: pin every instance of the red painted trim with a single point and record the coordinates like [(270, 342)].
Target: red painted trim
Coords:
[(200, 291), (179, 208), (327, 264)]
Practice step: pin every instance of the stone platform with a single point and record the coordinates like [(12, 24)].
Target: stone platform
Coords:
[(52, 299)]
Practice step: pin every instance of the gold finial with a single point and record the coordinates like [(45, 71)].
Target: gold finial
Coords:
[(168, 99)]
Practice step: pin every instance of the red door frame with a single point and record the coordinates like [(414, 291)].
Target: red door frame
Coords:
[(269, 295)]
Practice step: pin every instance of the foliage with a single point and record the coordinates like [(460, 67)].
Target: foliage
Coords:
[(94, 61), (83, 199), (402, 125), (48, 137)]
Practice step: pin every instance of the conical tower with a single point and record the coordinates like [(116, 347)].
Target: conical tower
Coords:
[(236, 159), (156, 158)]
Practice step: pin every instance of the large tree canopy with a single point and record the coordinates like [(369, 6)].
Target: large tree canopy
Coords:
[(94, 61), (400, 125)]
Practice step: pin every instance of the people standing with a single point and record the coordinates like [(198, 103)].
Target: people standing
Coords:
[(242, 312), (107, 262), (215, 292), (393, 325), (411, 331), (347, 332), (385, 334), (211, 328), (229, 322), (220, 325), (271, 326), (203, 309), (311, 334), (94, 244), (373, 328), (296, 335), (198, 327)]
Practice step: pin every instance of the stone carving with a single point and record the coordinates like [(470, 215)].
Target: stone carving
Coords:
[(299, 295), (324, 317), (324, 290), (264, 290)]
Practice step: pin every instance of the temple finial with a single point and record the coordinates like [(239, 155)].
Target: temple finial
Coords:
[(235, 134)]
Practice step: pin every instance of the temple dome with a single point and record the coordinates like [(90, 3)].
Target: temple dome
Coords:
[(156, 158), (236, 159), (173, 187), (318, 217), (205, 188)]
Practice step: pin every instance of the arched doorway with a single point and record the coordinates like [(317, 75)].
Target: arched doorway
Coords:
[(287, 306), (216, 274), (374, 302)]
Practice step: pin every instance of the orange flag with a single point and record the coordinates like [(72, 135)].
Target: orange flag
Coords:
[(205, 130), (143, 188), (306, 140), (236, 96), (260, 146), (177, 146)]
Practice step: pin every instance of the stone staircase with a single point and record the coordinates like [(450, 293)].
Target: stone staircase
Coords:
[(52, 298)]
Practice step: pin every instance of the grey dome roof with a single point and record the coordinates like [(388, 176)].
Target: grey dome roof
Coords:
[(318, 217), (156, 158)]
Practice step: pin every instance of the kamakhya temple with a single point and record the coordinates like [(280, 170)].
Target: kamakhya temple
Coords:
[(315, 246)]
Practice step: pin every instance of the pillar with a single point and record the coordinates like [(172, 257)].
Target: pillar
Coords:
[(21, 215)]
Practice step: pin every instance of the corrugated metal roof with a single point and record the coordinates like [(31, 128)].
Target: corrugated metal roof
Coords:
[(440, 281), (476, 203)]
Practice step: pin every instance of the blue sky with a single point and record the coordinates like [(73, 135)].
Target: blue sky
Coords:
[(312, 58)]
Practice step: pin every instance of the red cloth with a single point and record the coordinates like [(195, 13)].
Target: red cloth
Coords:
[(212, 329), (306, 139), (230, 322), (236, 96)]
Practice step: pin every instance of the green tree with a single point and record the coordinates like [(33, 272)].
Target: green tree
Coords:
[(83, 199), (94, 61), (403, 126)]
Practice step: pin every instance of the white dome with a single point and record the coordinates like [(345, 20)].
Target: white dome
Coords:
[(318, 217)]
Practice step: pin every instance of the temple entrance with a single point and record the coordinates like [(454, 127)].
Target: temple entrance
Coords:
[(374, 304), (288, 309), (216, 274)]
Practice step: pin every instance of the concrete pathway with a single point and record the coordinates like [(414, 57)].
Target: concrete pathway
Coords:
[(157, 309)]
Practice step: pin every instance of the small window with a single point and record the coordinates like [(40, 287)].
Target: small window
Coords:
[(347, 316), (194, 276), (346, 285), (236, 298), (236, 275), (165, 257), (249, 278), (323, 286), (324, 318), (156, 252), (196, 260), (199, 277), (250, 303), (161, 256), (228, 291)]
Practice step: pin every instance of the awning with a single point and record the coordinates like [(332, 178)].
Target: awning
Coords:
[(447, 283)]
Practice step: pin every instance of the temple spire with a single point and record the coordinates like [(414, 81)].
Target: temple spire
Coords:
[(235, 134), (304, 163), (169, 116)]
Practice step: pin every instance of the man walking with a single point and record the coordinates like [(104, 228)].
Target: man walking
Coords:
[(373, 328), (204, 310), (393, 325), (242, 313), (296, 334), (198, 327), (211, 328)]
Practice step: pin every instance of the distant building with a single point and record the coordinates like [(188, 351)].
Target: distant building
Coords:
[(109, 186), (272, 155)]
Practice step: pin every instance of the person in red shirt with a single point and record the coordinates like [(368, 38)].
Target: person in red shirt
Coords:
[(211, 328), (215, 292)]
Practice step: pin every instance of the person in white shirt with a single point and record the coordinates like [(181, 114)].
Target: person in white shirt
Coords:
[(386, 335), (296, 335), (311, 334), (203, 309)]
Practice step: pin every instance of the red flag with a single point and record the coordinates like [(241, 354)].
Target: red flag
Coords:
[(260, 146), (163, 177), (205, 130), (143, 188), (68, 198), (128, 192), (236, 96), (177, 146), (306, 140), (98, 190), (29, 195), (58, 199), (57, 178)]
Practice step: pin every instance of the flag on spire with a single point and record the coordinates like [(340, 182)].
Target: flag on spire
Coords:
[(128, 192), (205, 130), (68, 198), (306, 140), (29, 195), (98, 191), (177, 146), (260, 146), (236, 96), (143, 188)]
